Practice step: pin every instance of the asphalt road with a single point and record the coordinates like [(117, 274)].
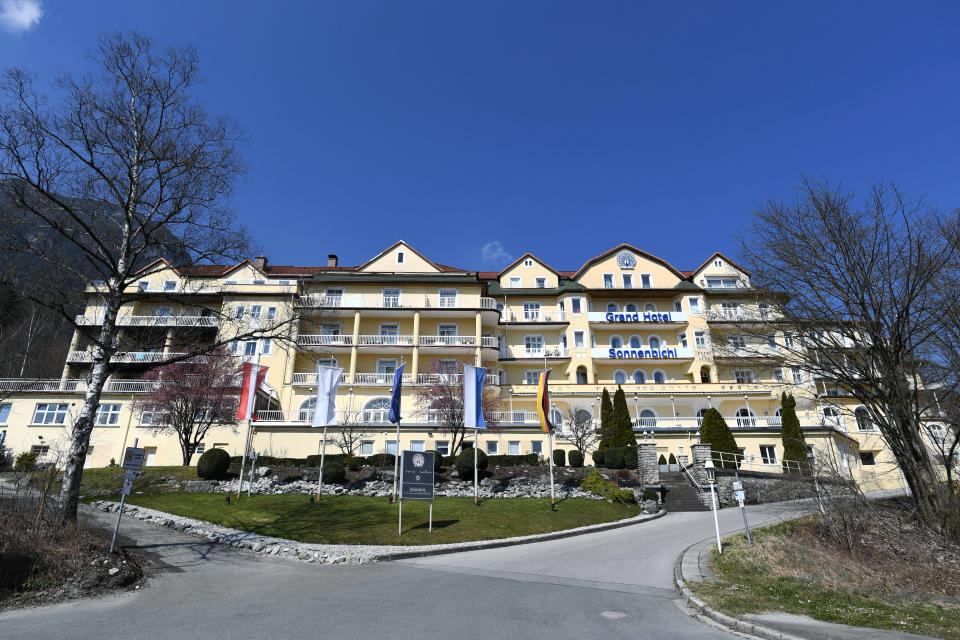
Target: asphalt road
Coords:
[(613, 584)]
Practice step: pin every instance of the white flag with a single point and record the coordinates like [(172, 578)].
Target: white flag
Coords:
[(328, 379), (473, 378)]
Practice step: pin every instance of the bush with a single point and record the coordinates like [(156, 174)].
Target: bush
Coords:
[(559, 458), (464, 463), (26, 461), (333, 472), (213, 464), (598, 458), (630, 456), (673, 459), (596, 484), (437, 461), (576, 459), (715, 432), (527, 460), (613, 458), (661, 460), (651, 494)]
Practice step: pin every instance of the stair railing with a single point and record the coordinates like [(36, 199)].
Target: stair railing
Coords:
[(689, 474)]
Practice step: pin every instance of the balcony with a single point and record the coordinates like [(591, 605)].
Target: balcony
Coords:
[(392, 341), (665, 352), (72, 385), (324, 340), (151, 321), (377, 379), (518, 417), (526, 353), (403, 301), (690, 423), (138, 357), (458, 341), (534, 317), (747, 351), (306, 379), (740, 314)]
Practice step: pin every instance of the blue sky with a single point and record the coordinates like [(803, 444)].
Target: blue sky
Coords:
[(562, 128)]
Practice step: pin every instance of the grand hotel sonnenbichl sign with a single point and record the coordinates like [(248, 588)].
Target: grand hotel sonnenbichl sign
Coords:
[(637, 317)]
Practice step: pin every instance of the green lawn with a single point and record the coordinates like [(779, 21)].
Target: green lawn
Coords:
[(111, 478), (366, 520), (755, 578)]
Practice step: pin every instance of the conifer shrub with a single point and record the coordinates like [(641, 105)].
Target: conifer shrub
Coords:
[(576, 459), (651, 494), (614, 458), (715, 432), (333, 472), (673, 459), (630, 457), (661, 460), (598, 458), (26, 462), (559, 458), (622, 429), (794, 444), (606, 420), (464, 463), (213, 464)]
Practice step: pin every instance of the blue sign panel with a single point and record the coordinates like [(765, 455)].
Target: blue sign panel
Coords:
[(416, 475)]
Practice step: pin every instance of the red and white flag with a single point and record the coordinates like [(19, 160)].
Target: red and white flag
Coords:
[(253, 375)]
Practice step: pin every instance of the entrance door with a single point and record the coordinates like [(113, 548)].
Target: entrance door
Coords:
[(150, 457)]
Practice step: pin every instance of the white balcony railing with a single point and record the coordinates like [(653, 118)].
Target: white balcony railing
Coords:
[(381, 379), (385, 341), (691, 422), (305, 379), (554, 351), (324, 340), (402, 301), (145, 357), (152, 321), (448, 341), (747, 351), (534, 317), (514, 417), (72, 385)]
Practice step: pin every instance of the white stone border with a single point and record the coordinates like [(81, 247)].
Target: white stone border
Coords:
[(341, 553)]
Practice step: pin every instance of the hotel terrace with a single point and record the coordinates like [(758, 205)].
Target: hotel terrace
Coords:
[(625, 318)]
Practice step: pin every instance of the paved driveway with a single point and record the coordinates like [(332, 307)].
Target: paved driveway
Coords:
[(613, 584)]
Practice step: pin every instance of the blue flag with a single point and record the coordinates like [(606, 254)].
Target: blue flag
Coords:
[(473, 378), (394, 414)]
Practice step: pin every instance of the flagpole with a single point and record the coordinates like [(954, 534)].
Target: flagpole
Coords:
[(323, 453), (396, 449), (251, 407), (476, 485), (553, 501)]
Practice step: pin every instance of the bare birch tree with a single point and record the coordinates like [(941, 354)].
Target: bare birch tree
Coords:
[(111, 171), (578, 427)]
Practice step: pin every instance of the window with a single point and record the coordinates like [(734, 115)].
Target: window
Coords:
[(334, 297), (40, 449), (442, 447), (151, 417), (636, 342), (536, 447), (612, 307), (515, 282), (163, 312), (659, 377), (416, 445), (266, 345), (531, 376), (528, 262), (616, 342), (652, 308), (491, 447), (867, 458), (678, 306), (721, 283), (366, 447), (448, 298), (400, 257), (863, 419), (194, 450), (385, 370), (250, 348), (392, 447), (255, 311), (796, 375), (771, 340), (630, 308), (541, 283), (391, 298), (832, 417), (682, 340), (700, 339), (694, 304), (718, 263), (639, 376), (700, 414), (271, 313), (4, 413), (50, 414), (143, 285), (376, 410), (107, 414), (578, 339), (513, 448), (743, 376), (169, 285), (768, 453), (620, 377), (745, 417), (608, 281), (531, 311), (653, 342), (778, 374), (239, 312), (575, 305), (788, 340), (647, 418), (627, 281), (533, 345), (646, 280), (737, 341)]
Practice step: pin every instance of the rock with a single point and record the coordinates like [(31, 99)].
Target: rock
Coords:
[(263, 471), (113, 571), (202, 486), (488, 482)]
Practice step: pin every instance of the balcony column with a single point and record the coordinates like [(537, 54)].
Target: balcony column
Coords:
[(353, 347), (590, 377), (415, 363), (168, 341), (74, 346), (476, 356)]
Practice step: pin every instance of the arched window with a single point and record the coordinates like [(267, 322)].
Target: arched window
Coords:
[(832, 417), (636, 342), (938, 434), (863, 419), (305, 414), (612, 307), (581, 375), (659, 377), (616, 342), (583, 416), (639, 376), (647, 418), (556, 417), (705, 374), (376, 410), (700, 414), (650, 307), (620, 377), (745, 417), (630, 307), (654, 342)]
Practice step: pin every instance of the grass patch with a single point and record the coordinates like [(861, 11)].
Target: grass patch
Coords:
[(792, 569), (368, 520), (111, 479)]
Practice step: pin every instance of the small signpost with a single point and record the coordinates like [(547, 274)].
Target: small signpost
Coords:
[(132, 462), (253, 465), (416, 481), (741, 497)]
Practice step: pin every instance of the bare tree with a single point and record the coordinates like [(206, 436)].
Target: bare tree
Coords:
[(109, 173), (854, 288), (351, 431), (578, 427), (441, 403), (191, 397)]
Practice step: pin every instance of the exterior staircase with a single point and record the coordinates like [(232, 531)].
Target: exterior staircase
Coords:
[(680, 494)]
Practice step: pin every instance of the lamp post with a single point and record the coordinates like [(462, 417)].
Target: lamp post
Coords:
[(712, 478)]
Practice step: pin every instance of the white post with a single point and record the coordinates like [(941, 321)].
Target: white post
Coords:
[(553, 502), (323, 453), (716, 523), (430, 529), (396, 462), (476, 484), (400, 520)]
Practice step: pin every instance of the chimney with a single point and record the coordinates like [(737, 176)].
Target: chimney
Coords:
[(261, 262), (332, 260)]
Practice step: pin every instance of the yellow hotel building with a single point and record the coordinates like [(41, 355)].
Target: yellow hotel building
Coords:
[(624, 318)]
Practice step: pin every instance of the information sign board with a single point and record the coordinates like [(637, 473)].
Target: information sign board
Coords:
[(133, 458), (416, 475), (737, 486), (127, 483), (740, 496), (129, 474)]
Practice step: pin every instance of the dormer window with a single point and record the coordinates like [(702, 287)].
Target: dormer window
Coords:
[(143, 285), (718, 263), (721, 283), (514, 282), (400, 257), (169, 285), (528, 262), (608, 281), (541, 283)]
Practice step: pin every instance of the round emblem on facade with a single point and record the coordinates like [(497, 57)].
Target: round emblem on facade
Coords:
[(418, 460), (626, 259)]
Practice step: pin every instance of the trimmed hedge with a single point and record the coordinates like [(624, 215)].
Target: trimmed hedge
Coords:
[(576, 459), (213, 465), (437, 461), (598, 458), (333, 472), (559, 458), (464, 463), (613, 458), (661, 460), (526, 460), (630, 457)]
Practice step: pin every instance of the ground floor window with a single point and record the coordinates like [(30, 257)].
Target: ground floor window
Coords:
[(443, 447), (416, 445), (40, 449), (491, 447), (220, 445), (392, 447), (536, 447), (366, 448), (513, 447), (50, 414), (867, 458), (768, 453), (108, 414)]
